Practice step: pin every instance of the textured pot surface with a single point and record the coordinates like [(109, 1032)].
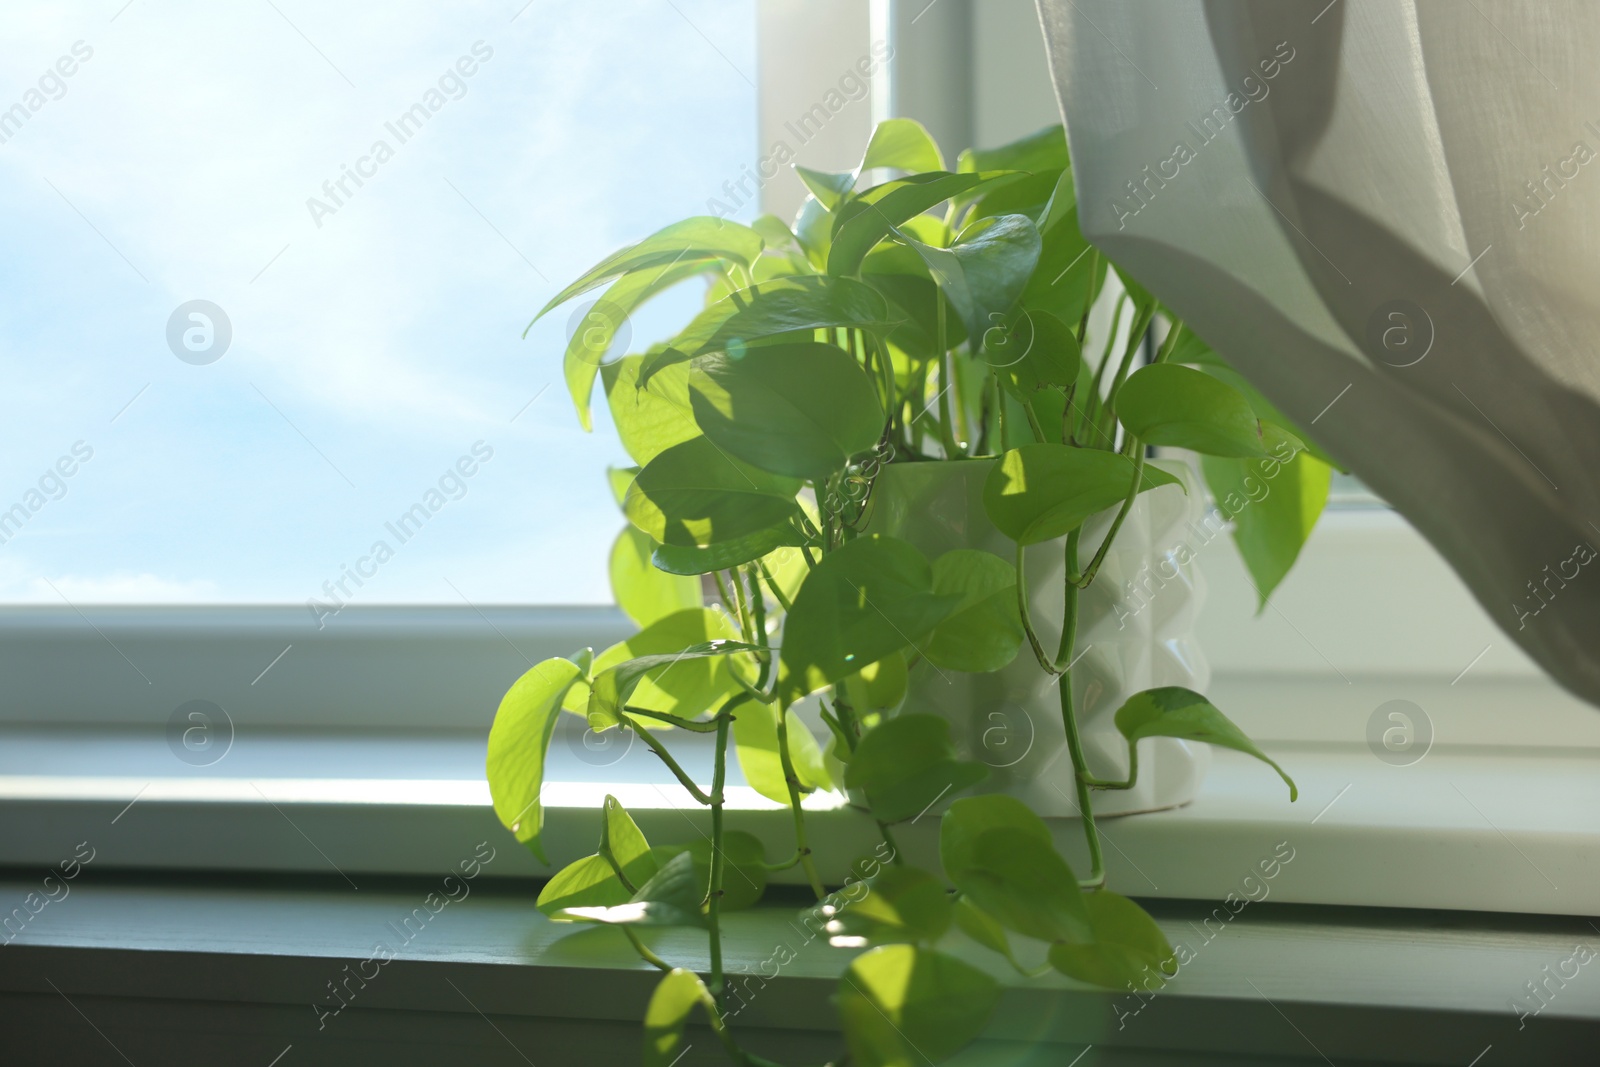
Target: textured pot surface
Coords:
[(1135, 631)]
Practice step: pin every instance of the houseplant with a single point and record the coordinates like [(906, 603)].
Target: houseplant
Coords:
[(879, 335)]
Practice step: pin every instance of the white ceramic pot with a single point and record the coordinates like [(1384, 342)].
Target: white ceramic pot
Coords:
[(1135, 631)]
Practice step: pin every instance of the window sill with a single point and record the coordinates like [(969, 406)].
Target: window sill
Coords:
[(181, 972), (1465, 828)]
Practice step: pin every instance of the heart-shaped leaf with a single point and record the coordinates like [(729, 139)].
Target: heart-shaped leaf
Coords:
[(1274, 504), (518, 742), (649, 419), (906, 765), (685, 688), (1127, 950), (755, 733), (783, 306), (611, 688), (698, 238), (902, 904), (984, 631), (869, 597), (1173, 711), (672, 898), (903, 1006), (1040, 492), (866, 219), (1168, 404), (800, 410), (677, 995), (692, 559), (642, 590), (1000, 854), (696, 494)]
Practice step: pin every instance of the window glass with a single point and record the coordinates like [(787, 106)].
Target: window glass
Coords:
[(266, 270)]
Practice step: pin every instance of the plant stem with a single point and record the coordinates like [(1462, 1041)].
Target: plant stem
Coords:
[(758, 619), (1141, 326), (719, 773), (777, 593), (639, 947), (743, 608), (1116, 523), (722, 589), (1033, 421), (1091, 404), (1171, 341), (1027, 622), (793, 782), (1069, 719), (897, 857), (673, 720), (672, 764), (1000, 420), (946, 383)]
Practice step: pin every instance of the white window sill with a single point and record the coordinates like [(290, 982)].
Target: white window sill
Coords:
[(1463, 829)]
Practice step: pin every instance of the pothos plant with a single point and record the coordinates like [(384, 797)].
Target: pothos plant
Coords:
[(935, 316)]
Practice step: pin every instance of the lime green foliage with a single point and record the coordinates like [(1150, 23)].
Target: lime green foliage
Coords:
[(936, 315)]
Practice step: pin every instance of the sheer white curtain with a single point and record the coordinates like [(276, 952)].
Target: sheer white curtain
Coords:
[(1386, 214)]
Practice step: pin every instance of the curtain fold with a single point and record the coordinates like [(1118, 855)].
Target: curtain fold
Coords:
[(1386, 215)]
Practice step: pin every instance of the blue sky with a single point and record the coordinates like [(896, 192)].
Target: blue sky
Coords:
[(376, 348)]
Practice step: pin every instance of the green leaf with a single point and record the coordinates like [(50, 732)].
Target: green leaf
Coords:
[(800, 410), (696, 494), (1070, 272), (649, 420), (697, 238), (1040, 492), (1033, 350), (1063, 199), (611, 689), (1168, 404), (1173, 711), (813, 227), (1042, 151), (866, 219), (1026, 195), (906, 765), (779, 307), (903, 1006), (622, 843), (619, 478), (588, 883), (999, 853), (826, 187), (776, 233), (690, 686), (869, 597), (902, 143), (880, 687), (1273, 505), (518, 741), (1126, 951), (593, 338), (672, 898), (981, 927), (903, 904), (1264, 408), (984, 631), (689, 559), (755, 734), (644, 592), (664, 1020), (987, 269)]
